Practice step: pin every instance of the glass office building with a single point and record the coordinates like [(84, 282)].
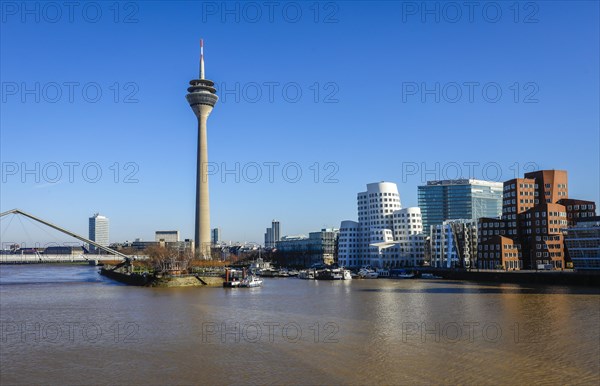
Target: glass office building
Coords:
[(583, 244), (459, 199)]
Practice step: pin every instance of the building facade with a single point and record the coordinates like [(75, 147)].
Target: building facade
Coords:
[(536, 212), (454, 244), (578, 210), (215, 236), (385, 235), (467, 199), (166, 236), (301, 251), (583, 244), (98, 231)]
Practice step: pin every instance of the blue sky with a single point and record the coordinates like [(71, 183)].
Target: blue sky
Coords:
[(361, 92)]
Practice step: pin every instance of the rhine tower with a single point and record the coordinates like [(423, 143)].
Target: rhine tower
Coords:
[(202, 98)]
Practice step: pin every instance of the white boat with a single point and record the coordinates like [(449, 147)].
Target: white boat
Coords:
[(306, 274), (268, 272), (406, 275), (232, 283), (367, 273), (283, 273), (347, 274), (251, 281), (337, 274)]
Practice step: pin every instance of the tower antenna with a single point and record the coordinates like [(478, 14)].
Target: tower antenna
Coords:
[(201, 58)]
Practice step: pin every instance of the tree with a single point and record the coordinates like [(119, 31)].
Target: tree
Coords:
[(168, 260)]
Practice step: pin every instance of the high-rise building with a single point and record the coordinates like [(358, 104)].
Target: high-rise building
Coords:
[(467, 199), (269, 238), (276, 231), (386, 235), (98, 231), (272, 234), (202, 98), (216, 236)]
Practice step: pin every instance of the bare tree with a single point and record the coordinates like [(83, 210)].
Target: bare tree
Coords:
[(168, 260)]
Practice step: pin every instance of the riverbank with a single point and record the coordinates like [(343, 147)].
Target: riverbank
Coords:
[(150, 280), (564, 278)]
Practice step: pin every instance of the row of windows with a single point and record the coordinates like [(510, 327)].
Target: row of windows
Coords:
[(581, 207), (384, 195), (520, 193), (584, 214), (547, 238), (560, 186), (528, 186), (492, 224), (497, 255), (547, 246), (543, 230), (546, 254), (492, 233), (384, 200), (514, 186)]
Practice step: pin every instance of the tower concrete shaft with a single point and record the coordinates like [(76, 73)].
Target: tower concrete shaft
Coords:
[(202, 227), (202, 98)]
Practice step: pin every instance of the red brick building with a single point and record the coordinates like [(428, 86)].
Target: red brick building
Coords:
[(536, 211)]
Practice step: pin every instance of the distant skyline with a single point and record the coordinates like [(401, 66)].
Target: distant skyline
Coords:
[(359, 92)]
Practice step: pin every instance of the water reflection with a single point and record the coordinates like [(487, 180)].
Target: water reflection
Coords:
[(311, 332)]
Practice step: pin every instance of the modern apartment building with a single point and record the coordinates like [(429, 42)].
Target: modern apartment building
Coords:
[(454, 244), (385, 235)]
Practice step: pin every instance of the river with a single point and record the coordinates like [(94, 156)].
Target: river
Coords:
[(65, 324)]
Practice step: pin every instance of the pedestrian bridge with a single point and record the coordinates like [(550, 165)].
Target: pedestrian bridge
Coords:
[(43, 258), (109, 253)]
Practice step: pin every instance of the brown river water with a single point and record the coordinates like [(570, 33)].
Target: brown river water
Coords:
[(68, 325)]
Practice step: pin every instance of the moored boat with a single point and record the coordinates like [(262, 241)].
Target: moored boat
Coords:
[(347, 274), (250, 282), (268, 272), (306, 274), (367, 273)]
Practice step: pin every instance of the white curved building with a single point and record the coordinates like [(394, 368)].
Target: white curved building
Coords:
[(385, 235)]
